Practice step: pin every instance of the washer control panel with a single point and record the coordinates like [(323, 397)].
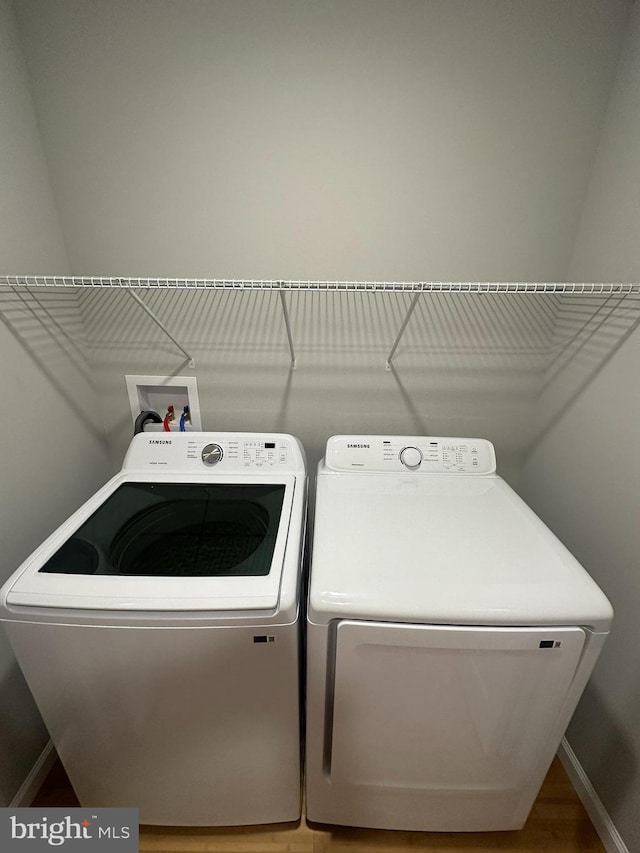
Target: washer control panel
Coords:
[(418, 454), (241, 453), (220, 452)]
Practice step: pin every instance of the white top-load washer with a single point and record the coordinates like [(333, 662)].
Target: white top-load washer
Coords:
[(450, 636), (158, 630)]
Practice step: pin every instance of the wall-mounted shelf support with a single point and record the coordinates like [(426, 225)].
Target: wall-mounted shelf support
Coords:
[(161, 325), (407, 317), (287, 324)]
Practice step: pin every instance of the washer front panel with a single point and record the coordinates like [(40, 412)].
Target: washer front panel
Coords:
[(195, 725)]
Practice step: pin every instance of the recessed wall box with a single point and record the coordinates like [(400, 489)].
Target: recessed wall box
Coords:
[(158, 393)]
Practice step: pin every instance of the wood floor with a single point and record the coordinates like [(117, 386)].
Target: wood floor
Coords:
[(557, 824)]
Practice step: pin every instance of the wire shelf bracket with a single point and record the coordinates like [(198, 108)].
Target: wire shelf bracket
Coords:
[(287, 323), (161, 326)]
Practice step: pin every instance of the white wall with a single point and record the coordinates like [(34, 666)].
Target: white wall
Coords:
[(357, 139), (30, 232), (438, 139), (53, 451), (583, 477)]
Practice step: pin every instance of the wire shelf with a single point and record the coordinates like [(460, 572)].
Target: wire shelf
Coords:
[(477, 287), (618, 292)]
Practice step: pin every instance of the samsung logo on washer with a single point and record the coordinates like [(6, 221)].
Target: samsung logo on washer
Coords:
[(160, 441), (360, 446)]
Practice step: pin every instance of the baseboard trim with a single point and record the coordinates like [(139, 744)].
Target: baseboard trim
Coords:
[(603, 824), (35, 778)]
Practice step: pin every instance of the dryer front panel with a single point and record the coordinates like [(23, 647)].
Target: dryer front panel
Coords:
[(446, 710)]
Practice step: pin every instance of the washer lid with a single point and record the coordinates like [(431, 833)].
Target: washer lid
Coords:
[(444, 549), (178, 543)]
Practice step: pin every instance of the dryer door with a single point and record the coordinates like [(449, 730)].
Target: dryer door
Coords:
[(449, 710)]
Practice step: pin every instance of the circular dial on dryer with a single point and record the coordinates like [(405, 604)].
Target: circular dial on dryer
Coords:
[(212, 454), (411, 457)]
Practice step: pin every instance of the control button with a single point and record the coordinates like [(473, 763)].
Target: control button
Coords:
[(411, 457), (212, 454)]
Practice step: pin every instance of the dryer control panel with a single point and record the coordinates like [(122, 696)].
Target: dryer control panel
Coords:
[(207, 452), (418, 454)]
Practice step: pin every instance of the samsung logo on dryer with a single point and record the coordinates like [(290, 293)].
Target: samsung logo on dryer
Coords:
[(360, 446), (160, 441)]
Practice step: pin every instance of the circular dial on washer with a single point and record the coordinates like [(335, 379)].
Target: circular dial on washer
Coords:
[(411, 457), (212, 454)]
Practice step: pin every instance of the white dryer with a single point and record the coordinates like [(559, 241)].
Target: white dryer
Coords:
[(450, 636), (158, 630)]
